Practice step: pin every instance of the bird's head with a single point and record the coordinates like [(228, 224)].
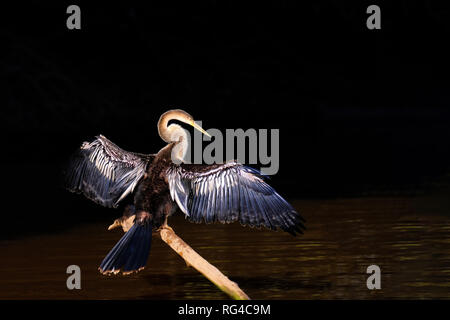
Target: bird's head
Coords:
[(173, 132)]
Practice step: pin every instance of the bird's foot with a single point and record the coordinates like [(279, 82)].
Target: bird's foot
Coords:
[(125, 222), (165, 226)]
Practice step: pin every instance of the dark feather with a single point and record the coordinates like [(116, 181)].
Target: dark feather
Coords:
[(131, 252), (230, 192), (105, 173)]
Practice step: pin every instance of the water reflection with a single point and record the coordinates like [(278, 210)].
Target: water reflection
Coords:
[(411, 246)]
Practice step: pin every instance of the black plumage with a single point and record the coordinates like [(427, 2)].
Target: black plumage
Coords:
[(230, 192), (105, 173)]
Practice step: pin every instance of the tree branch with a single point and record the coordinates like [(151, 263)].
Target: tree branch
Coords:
[(191, 258)]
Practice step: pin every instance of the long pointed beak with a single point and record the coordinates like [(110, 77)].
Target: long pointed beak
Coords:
[(196, 126)]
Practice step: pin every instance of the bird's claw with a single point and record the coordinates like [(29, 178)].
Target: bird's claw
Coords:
[(114, 225), (166, 227), (125, 222)]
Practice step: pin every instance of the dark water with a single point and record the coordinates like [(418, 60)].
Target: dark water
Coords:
[(408, 238)]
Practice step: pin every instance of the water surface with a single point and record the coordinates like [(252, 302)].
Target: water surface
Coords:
[(405, 236)]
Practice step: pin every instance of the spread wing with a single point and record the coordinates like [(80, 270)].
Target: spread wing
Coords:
[(230, 192), (105, 173)]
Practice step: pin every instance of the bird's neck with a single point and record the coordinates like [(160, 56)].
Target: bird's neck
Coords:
[(181, 146), (163, 129), (175, 135), (178, 142)]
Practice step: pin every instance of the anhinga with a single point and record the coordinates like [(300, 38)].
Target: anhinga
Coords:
[(228, 192)]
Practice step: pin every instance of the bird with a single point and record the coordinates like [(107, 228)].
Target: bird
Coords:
[(163, 183)]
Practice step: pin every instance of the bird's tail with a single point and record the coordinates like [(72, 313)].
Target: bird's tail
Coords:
[(130, 254)]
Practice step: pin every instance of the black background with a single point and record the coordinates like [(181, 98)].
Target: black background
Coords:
[(360, 112)]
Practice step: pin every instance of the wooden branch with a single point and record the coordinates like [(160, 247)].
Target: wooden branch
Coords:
[(191, 258)]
